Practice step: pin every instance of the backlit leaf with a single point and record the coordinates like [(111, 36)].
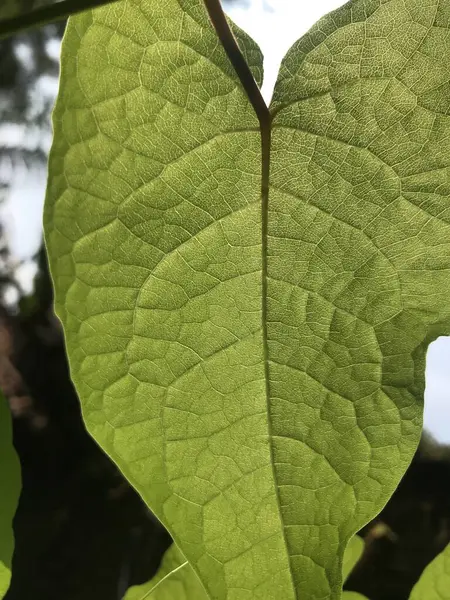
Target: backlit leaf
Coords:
[(255, 367)]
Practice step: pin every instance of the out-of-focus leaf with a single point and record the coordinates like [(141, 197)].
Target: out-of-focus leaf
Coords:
[(434, 584), (9, 8), (9, 494), (352, 554)]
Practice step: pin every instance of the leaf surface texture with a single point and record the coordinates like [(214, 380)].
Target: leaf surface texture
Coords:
[(255, 368)]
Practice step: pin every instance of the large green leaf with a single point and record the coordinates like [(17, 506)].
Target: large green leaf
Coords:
[(9, 494), (255, 368), (434, 584)]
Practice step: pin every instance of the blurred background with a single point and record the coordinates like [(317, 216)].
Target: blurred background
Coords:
[(82, 533)]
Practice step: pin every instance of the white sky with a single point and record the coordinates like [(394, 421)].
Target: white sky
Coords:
[(275, 25)]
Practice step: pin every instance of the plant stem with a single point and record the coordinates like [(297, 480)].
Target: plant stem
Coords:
[(237, 59), (47, 14)]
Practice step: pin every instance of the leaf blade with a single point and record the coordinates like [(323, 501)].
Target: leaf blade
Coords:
[(144, 319), (356, 207)]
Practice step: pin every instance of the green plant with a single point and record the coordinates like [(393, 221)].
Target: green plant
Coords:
[(10, 486), (247, 293)]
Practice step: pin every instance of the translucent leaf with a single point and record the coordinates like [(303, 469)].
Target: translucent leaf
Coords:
[(434, 584), (9, 495), (254, 367)]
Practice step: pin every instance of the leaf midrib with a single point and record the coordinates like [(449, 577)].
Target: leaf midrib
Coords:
[(264, 116)]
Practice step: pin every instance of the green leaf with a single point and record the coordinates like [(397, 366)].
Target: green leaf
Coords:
[(352, 554), (434, 584), (255, 368), (352, 596), (175, 579), (10, 489)]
